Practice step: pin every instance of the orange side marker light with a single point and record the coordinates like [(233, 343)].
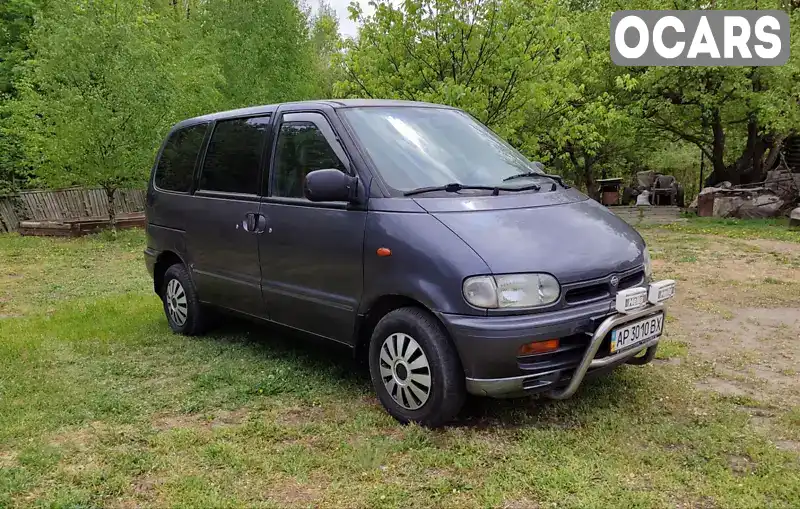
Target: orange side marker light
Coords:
[(535, 347), (384, 251)]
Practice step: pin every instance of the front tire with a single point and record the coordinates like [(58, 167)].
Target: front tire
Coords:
[(181, 303), (415, 369)]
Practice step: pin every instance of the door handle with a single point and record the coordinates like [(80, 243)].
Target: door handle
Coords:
[(249, 223), (260, 223)]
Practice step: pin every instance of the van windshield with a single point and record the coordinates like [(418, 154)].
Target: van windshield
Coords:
[(418, 147)]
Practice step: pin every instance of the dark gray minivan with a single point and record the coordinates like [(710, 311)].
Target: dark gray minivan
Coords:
[(407, 231)]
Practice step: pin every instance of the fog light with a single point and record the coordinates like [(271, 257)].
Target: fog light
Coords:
[(631, 300), (536, 347), (661, 291)]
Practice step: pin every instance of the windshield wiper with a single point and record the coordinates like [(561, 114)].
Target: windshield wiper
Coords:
[(456, 187), (527, 174)]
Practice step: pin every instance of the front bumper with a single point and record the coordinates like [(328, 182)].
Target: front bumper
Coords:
[(488, 347)]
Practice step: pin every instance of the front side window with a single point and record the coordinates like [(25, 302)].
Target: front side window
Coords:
[(233, 157), (417, 147), (175, 168), (302, 148)]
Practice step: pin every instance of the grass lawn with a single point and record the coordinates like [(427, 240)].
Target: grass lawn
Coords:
[(101, 406)]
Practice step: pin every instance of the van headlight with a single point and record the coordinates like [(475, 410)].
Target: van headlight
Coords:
[(511, 291), (648, 265)]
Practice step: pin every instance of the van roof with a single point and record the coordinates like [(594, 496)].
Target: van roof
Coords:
[(332, 103)]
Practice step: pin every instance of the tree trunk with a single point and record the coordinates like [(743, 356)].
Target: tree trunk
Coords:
[(585, 170), (720, 171), (774, 151), (751, 167), (112, 212), (588, 179)]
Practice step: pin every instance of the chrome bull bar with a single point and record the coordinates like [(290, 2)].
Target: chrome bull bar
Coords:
[(589, 362)]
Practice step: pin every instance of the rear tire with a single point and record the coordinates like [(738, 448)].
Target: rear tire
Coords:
[(181, 304), (415, 369)]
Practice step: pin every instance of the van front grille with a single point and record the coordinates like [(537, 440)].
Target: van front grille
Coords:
[(587, 293), (631, 280), (602, 290)]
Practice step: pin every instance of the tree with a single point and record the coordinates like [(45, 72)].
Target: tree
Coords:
[(107, 79), (537, 72), (16, 22), (585, 126), (102, 93), (737, 116), (262, 49), (325, 41), (486, 57)]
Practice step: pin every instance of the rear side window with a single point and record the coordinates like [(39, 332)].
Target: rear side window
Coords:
[(176, 166), (233, 157)]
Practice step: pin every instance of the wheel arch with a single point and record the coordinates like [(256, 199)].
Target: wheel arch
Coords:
[(164, 261), (379, 308)]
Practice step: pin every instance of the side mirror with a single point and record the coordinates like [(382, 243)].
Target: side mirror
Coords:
[(330, 185)]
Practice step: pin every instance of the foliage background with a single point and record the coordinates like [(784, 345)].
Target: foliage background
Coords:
[(88, 88)]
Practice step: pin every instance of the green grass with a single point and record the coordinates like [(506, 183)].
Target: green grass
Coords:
[(776, 229), (37, 274), (101, 406)]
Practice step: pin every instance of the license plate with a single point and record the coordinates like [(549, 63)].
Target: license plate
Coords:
[(633, 333)]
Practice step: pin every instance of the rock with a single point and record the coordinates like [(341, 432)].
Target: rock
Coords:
[(705, 201), (794, 217), (746, 205), (764, 205)]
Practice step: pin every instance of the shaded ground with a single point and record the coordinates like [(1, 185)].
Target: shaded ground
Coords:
[(101, 406)]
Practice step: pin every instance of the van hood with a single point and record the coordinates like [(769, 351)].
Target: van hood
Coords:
[(571, 237)]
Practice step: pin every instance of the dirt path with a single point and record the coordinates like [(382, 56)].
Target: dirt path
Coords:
[(738, 310)]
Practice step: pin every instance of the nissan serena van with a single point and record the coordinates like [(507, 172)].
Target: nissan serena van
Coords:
[(410, 233)]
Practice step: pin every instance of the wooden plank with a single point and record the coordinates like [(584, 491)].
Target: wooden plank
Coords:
[(55, 205), (41, 205), (12, 214), (120, 202), (102, 203), (77, 227), (73, 203), (33, 205), (647, 215), (92, 203), (76, 202), (61, 204), (45, 206), (4, 217), (139, 199), (66, 203), (96, 211), (9, 222), (86, 203), (26, 203), (130, 203), (65, 200)]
